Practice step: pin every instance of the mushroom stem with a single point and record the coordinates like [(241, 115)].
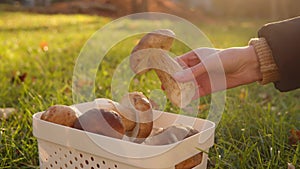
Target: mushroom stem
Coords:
[(139, 104), (151, 53)]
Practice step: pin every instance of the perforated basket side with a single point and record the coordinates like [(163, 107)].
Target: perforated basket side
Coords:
[(54, 156)]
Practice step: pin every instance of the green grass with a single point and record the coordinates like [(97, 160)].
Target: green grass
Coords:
[(255, 125)]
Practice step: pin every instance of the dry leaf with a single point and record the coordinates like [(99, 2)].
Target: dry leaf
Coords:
[(17, 76), (294, 137)]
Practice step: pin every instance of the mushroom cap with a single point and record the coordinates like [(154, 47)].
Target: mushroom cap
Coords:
[(158, 39), (128, 116), (161, 38), (60, 114), (136, 112), (171, 134), (101, 121)]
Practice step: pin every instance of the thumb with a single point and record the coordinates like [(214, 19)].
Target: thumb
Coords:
[(190, 73)]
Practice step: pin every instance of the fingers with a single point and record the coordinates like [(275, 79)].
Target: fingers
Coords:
[(194, 57), (188, 59), (197, 64), (203, 86), (189, 74), (203, 53), (213, 63)]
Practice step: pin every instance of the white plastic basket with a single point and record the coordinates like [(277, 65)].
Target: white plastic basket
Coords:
[(63, 147)]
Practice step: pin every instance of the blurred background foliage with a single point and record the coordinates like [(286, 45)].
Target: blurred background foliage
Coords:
[(275, 9)]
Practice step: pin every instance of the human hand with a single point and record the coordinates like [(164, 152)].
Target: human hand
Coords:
[(214, 70)]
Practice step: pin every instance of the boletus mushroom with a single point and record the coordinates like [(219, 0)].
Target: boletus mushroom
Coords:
[(138, 103), (101, 121), (136, 112), (128, 116), (60, 114), (152, 53), (171, 134)]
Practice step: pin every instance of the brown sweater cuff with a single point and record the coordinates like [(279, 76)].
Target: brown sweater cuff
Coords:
[(268, 67)]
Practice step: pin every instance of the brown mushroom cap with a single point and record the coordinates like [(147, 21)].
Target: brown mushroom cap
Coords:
[(136, 112), (159, 39), (151, 53), (100, 121), (128, 116), (171, 134), (60, 114)]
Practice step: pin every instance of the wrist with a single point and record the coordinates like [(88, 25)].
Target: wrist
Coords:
[(241, 65), (253, 62)]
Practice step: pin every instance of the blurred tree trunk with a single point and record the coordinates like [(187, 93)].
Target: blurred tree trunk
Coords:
[(47, 2), (43, 2), (29, 3), (274, 9), (144, 6), (280, 8), (139, 6), (284, 4), (134, 6)]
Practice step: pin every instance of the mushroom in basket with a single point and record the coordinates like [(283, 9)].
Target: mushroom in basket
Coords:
[(60, 114), (101, 121), (136, 112)]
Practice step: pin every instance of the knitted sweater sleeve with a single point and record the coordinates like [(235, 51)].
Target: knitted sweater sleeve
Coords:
[(268, 67), (278, 51)]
